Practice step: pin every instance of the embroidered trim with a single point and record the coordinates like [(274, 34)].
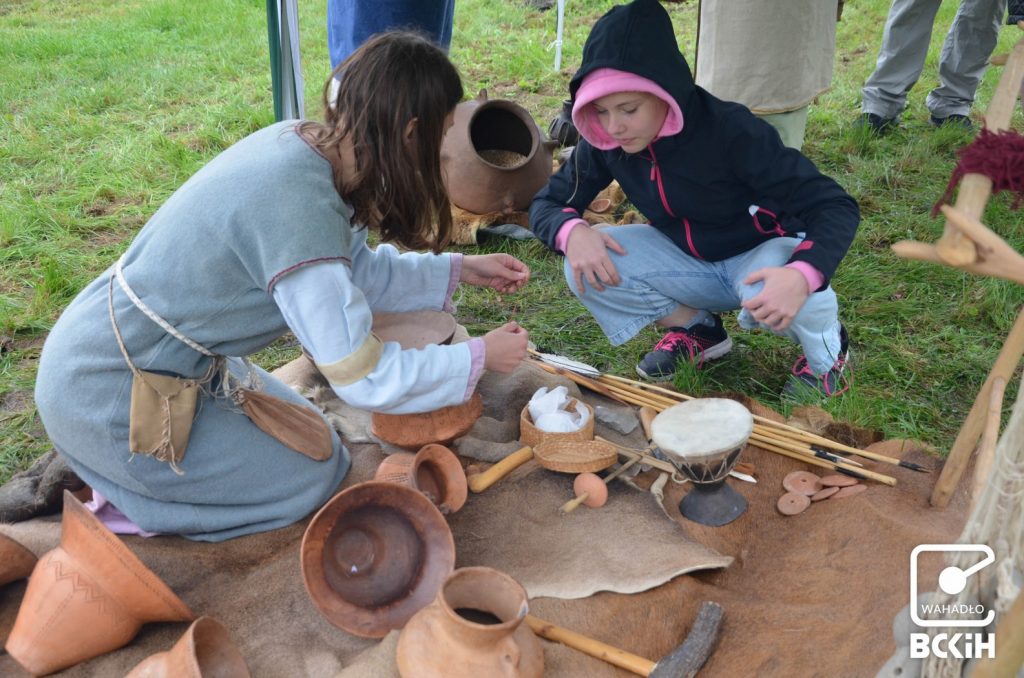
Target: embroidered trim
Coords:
[(281, 274)]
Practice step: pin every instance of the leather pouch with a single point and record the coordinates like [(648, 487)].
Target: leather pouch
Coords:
[(161, 415)]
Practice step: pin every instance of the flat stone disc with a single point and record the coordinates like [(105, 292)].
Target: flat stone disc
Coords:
[(849, 491), (838, 480), (802, 482), (824, 493), (792, 503)]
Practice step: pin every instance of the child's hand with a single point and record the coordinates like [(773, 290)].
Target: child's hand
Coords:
[(505, 347), (587, 252), (783, 295), (501, 272)]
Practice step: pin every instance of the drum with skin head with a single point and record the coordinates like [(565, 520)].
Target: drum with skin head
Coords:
[(703, 438)]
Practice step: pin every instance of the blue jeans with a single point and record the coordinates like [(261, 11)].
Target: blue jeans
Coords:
[(351, 22), (658, 277)]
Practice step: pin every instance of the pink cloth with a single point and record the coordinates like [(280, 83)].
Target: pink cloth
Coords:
[(813, 276), (605, 81), (562, 237), (111, 516)]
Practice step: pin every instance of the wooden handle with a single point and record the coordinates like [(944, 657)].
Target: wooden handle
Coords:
[(595, 648), (647, 415), (481, 481)]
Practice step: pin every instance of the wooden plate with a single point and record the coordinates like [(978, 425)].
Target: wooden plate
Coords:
[(416, 329), (572, 456)]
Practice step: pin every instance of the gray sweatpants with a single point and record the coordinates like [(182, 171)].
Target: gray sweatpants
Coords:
[(965, 53)]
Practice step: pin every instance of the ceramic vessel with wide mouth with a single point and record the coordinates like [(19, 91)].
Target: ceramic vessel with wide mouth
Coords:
[(16, 561), (434, 470), (374, 555), (87, 597), (205, 650)]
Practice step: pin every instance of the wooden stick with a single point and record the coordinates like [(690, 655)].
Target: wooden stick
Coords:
[(595, 648), (1009, 640), (626, 390), (1004, 367), (989, 439), (814, 461), (573, 504), (801, 446), (578, 379)]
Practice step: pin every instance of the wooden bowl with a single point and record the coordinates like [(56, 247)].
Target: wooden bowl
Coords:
[(442, 426)]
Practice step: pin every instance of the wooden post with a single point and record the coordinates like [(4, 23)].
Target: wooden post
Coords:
[(975, 189), (1007, 361)]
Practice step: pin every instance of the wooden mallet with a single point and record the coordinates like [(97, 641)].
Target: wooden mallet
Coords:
[(685, 660)]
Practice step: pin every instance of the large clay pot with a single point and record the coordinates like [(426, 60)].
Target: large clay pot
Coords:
[(88, 596), (473, 628), (374, 555), (16, 561), (434, 470), (413, 431), (206, 649), (493, 156)]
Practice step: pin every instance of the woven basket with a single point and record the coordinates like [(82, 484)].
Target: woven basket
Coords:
[(529, 434), (584, 456)]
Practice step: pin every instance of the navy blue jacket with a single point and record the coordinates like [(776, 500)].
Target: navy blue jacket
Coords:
[(698, 186)]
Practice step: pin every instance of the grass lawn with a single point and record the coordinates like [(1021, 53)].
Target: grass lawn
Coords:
[(106, 106)]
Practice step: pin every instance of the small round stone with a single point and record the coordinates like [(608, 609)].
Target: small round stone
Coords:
[(824, 493), (793, 503), (849, 491), (802, 482), (838, 480)]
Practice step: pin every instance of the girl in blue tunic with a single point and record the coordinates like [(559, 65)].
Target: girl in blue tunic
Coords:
[(142, 383)]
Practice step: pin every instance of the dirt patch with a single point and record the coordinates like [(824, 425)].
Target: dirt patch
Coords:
[(15, 402)]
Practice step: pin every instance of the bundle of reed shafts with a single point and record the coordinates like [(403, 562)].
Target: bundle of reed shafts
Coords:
[(773, 436)]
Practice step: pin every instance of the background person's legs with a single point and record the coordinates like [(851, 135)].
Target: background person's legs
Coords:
[(965, 54), (908, 30), (351, 22)]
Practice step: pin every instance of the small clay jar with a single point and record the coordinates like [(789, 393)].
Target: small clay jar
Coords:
[(206, 649), (493, 157), (473, 628), (16, 561), (87, 597), (434, 470)]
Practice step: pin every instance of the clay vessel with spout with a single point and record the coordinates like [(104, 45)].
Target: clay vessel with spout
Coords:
[(473, 628), (493, 157), (206, 649)]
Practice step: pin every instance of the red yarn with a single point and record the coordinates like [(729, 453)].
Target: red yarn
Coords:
[(998, 156)]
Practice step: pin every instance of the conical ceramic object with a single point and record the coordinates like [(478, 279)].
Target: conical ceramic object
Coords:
[(206, 650), (413, 431), (434, 470), (88, 596), (473, 628), (374, 555), (493, 156), (16, 561)]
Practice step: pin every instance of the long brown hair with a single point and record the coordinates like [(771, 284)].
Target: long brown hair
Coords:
[(397, 189)]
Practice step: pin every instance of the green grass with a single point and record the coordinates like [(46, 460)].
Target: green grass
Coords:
[(108, 106)]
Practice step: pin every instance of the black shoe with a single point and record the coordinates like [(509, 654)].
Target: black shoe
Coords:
[(561, 128), (697, 344), (954, 120), (876, 124), (803, 382)]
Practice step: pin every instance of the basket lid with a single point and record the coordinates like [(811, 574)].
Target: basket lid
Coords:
[(575, 456)]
